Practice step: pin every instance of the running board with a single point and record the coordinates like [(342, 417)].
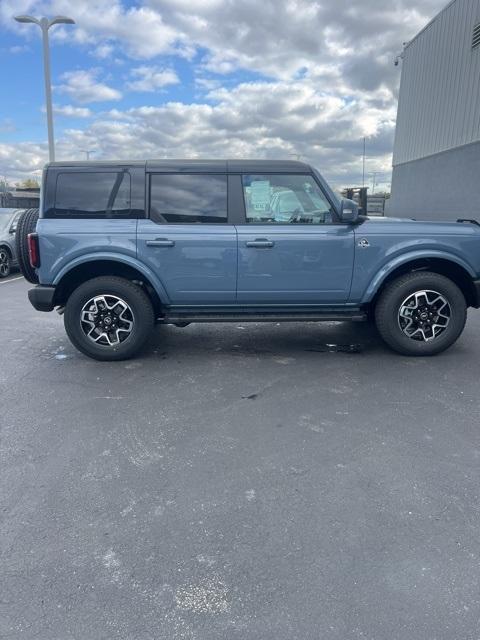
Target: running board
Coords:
[(315, 316)]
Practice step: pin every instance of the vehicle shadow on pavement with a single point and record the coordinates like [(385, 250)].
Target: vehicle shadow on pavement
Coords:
[(268, 338)]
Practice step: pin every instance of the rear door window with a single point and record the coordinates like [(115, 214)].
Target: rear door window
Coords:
[(94, 194), (188, 198)]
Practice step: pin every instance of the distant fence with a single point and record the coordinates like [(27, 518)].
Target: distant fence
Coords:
[(376, 205), (371, 205), (24, 199)]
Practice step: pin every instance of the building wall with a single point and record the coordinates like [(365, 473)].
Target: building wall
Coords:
[(439, 101), (444, 186)]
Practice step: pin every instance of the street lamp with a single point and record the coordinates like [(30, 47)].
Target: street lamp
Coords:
[(87, 152), (45, 24)]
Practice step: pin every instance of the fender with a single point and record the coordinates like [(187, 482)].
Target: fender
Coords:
[(400, 260), (156, 283)]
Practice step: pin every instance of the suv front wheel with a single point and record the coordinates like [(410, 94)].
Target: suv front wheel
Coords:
[(108, 318), (421, 313), (5, 263)]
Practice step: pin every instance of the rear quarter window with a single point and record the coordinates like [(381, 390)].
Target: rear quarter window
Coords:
[(95, 194)]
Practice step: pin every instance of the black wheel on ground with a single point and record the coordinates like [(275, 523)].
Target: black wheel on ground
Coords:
[(27, 223), (421, 313), (109, 318), (5, 262)]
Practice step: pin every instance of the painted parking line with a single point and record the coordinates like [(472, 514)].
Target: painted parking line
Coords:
[(11, 280)]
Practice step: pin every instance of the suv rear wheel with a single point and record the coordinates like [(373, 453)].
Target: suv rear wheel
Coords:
[(27, 223), (421, 313), (108, 318)]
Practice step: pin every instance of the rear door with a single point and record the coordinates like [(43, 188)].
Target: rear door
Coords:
[(291, 248), (187, 239)]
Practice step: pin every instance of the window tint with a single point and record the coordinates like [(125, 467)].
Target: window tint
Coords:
[(188, 198), (283, 199), (93, 195)]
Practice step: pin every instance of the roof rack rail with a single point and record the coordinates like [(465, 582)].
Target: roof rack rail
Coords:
[(469, 220)]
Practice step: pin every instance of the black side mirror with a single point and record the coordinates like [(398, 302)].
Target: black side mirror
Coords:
[(349, 211), (13, 228)]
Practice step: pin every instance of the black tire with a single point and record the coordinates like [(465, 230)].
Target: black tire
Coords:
[(5, 262), (397, 292), (140, 312), (27, 223)]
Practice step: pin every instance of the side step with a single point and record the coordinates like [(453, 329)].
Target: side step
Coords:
[(354, 315)]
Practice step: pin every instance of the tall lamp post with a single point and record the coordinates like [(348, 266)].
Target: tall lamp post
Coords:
[(87, 152), (45, 24)]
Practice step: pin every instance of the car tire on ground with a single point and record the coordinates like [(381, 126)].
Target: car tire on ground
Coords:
[(109, 318), (27, 223), (5, 262), (421, 313)]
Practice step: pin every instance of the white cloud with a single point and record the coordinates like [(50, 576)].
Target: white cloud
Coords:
[(276, 37), (70, 111), (140, 30), (83, 86), (330, 63), (151, 78), (207, 84), (18, 48), (281, 37), (7, 125), (19, 160), (103, 51), (257, 120)]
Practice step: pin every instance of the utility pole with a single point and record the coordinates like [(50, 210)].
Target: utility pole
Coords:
[(87, 153), (45, 24)]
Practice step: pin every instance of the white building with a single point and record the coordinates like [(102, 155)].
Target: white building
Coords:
[(436, 158)]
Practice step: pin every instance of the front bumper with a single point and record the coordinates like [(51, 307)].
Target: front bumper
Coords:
[(41, 297)]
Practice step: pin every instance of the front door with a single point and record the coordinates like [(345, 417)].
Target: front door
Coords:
[(187, 242), (291, 250)]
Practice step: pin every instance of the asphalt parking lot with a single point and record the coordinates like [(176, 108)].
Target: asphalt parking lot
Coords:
[(237, 482)]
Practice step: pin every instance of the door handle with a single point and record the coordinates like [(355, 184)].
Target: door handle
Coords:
[(160, 242), (260, 243)]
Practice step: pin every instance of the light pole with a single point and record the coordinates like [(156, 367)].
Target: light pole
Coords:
[(87, 152), (45, 24), (363, 162)]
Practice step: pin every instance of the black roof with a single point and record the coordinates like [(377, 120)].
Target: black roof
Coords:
[(198, 166)]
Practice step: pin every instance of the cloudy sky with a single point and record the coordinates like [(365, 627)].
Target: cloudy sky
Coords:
[(209, 78)]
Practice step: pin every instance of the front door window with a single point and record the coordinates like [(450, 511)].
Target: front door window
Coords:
[(285, 199)]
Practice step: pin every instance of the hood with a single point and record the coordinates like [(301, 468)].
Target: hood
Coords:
[(383, 224)]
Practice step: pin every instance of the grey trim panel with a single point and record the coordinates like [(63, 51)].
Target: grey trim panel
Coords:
[(195, 166), (41, 297), (186, 166), (267, 166), (236, 209), (476, 284), (327, 314)]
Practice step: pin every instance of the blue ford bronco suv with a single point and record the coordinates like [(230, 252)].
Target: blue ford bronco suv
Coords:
[(118, 246)]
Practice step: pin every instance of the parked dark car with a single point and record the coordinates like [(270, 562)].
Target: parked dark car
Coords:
[(120, 246), (8, 226)]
